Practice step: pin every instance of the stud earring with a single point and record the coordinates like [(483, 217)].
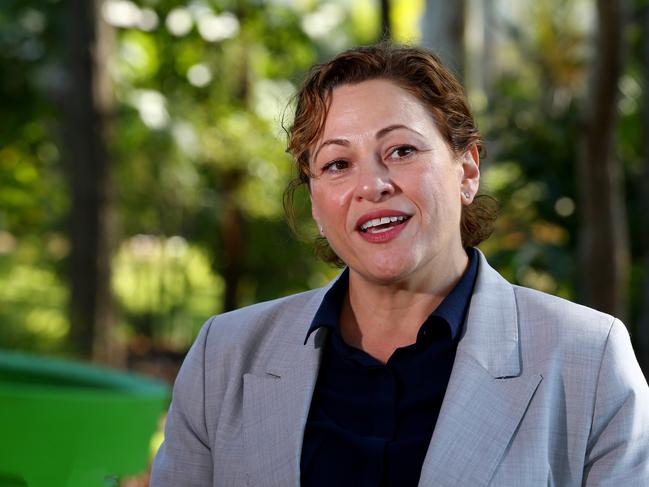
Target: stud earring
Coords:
[(467, 195), (321, 231)]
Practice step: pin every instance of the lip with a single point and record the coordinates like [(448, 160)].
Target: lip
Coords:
[(386, 235)]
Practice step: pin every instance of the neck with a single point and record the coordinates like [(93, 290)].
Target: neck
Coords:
[(379, 318)]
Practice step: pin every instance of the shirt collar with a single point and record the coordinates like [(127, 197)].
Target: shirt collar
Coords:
[(328, 313), (452, 309)]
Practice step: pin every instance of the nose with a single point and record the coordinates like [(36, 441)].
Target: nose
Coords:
[(374, 182)]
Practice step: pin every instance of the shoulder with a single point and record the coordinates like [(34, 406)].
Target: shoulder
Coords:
[(585, 344), (258, 318), (549, 331), (591, 388), (244, 339), (555, 316), (545, 324), (583, 351)]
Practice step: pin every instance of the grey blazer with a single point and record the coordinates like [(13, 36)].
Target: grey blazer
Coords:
[(542, 392)]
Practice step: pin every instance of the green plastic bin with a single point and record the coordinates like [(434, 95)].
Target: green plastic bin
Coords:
[(65, 424)]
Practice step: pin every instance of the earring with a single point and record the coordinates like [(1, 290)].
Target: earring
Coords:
[(321, 231), (467, 195)]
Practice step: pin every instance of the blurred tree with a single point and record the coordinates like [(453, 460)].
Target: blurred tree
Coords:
[(604, 248), (386, 22), (643, 321), (481, 62), (443, 31), (87, 108), (200, 92), (531, 127), (33, 200), (197, 150), (232, 177)]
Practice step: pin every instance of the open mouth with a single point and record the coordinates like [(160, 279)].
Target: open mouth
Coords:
[(383, 224)]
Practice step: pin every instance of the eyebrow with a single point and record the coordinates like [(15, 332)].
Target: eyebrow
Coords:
[(343, 142), (381, 133), (384, 131)]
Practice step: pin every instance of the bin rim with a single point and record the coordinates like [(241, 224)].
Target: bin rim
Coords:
[(47, 374)]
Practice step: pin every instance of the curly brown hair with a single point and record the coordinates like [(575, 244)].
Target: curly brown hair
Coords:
[(421, 73)]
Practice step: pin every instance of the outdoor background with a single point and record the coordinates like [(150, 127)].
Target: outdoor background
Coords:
[(142, 157)]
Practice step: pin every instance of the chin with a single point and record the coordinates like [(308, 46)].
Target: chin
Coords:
[(388, 271)]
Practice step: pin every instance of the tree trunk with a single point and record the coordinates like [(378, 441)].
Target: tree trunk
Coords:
[(479, 61), (85, 125), (232, 232), (386, 22), (231, 218), (488, 65), (443, 32), (603, 234), (642, 332)]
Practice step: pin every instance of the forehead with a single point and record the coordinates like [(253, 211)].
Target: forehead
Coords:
[(370, 106)]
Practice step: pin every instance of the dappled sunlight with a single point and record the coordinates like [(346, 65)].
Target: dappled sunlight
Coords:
[(170, 282)]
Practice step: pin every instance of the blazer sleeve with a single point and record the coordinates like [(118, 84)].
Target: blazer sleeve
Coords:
[(618, 450), (184, 458)]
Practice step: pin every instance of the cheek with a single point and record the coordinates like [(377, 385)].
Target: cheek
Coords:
[(437, 198), (322, 208), (343, 198), (329, 201)]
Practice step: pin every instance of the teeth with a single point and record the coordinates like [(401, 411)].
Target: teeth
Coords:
[(381, 221)]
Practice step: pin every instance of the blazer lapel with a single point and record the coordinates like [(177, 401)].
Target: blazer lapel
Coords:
[(487, 394), (276, 403), (478, 419)]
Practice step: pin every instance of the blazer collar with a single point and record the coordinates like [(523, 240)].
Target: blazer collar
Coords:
[(276, 403), (487, 394), (490, 334)]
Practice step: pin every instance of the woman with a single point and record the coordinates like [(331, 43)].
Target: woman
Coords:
[(419, 365)]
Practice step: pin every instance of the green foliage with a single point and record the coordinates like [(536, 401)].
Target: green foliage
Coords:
[(32, 315), (200, 91), (163, 286), (532, 126), (33, 203)]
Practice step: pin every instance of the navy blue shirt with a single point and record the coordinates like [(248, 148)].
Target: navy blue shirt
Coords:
[(370, 423)]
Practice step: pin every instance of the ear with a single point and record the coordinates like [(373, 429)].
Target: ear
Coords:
[(470, 175)]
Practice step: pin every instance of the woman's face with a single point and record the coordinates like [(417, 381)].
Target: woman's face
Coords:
[(387, 191)]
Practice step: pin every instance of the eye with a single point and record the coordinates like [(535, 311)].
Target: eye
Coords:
[(335, 167), (401, 152)]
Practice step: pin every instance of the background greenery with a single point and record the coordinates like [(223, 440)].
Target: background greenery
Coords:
[(196, 147)]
